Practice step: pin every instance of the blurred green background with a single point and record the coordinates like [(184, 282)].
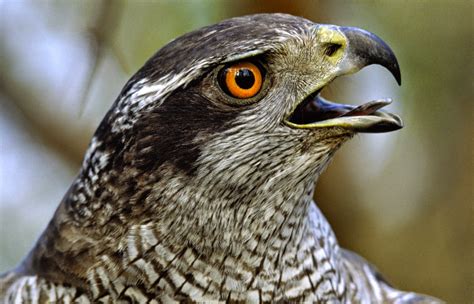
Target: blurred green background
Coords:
[(403, 200)]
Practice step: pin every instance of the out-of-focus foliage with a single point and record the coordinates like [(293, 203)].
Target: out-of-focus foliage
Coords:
[(403, 200)]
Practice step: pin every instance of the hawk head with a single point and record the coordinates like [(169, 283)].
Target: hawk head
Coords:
[(218, 139), (226, 121)]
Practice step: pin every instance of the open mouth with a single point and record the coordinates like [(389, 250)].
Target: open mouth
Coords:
[(358, 49), (316, 112)]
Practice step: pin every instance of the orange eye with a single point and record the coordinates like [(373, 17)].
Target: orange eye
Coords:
[(241, 80)]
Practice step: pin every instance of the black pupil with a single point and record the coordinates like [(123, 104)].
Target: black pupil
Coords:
[(245, 78)]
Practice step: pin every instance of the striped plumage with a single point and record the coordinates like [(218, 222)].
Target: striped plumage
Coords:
[(186, 195)]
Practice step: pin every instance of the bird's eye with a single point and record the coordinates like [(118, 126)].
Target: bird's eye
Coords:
[(241, 80)]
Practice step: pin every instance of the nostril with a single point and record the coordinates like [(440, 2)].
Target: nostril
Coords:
[(331, 48)]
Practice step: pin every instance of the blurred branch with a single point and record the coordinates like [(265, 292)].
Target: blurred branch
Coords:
[(120, 57), (68, 142), (99, 36), (63, 141)]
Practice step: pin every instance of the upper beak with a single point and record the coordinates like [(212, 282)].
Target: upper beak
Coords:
[(358, 49), (365, 48)]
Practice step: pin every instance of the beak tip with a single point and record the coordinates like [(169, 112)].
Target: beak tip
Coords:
[(398, 77), (397, 74)]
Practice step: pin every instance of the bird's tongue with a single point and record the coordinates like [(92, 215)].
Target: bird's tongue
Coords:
[(368, 108)]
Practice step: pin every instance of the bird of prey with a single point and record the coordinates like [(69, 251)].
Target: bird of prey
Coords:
[(198, 183)]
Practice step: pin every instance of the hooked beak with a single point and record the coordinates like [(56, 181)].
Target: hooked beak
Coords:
[(353, 49)]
